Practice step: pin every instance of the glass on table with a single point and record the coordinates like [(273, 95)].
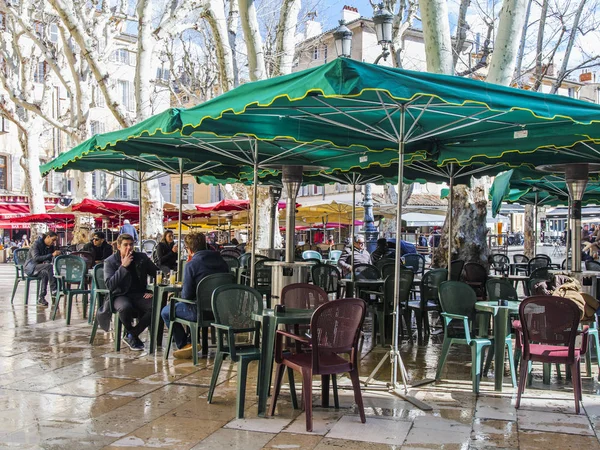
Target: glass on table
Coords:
[(172, 277), (159, 277)]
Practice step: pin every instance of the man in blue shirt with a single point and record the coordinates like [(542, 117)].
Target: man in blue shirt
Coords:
[(127, 228), (204, 262)]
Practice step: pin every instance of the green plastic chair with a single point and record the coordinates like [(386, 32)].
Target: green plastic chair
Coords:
[(383, 310), (233, 306), (205, 316), (311, 254), (428, 301), (70, 270), (458, 300), (99, 293), (334, 256), (19, 257), (263, 276), (327, 277), (500, 289)]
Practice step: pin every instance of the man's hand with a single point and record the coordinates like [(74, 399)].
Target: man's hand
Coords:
[(148, 295), (56, 253), (127, 259)]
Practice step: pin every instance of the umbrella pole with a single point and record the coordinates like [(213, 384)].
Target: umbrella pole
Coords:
[(179, 263), (568, 236), (450, 205), (535, 221), (353, 230), (254, 214), (140, 200), (340, 228)]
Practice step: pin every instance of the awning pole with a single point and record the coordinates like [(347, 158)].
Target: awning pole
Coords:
[(179, 240), (450, 238), (254, 214), (141, 213), (535, 222), (353, 230)]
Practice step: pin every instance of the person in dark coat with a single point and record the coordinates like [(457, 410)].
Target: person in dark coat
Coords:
[(39, 264), (166, 253), (125, 275), (381, 251), (203, 263), (98, 247)]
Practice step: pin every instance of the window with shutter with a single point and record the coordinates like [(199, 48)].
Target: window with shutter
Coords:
[(3, 172)]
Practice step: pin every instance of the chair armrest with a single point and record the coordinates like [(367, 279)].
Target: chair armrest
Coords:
[(302, 339), (183, 300), (375, 293), (454, 316), (450, 317), (279, 343)]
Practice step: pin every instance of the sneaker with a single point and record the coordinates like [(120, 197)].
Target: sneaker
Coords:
[(184, 352), (132, 343), (139, 343), (53, 294), (42, 301)]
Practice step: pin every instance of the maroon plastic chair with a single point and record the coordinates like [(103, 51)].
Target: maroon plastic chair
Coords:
[(334, 331), (548, 329), (303, 296), (475, 275)]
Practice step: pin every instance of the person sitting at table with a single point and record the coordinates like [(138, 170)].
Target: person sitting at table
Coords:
[(39, 264), (166, 252), (204, 262), (125, 275), (361, 256), (98, 247), (381, 251)]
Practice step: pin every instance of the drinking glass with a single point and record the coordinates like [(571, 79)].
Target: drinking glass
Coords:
[(172, 277)]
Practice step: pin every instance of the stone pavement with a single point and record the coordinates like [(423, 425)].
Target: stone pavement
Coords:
[(59, 392)]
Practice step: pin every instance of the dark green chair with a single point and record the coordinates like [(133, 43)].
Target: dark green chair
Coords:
[(70, 270), (388, 269), (500, 289), (19, 258), (458, 300), (205, 316), (428, 300), (327, 277), (233, 306), (382, 311), (263, 276), (100, 295)]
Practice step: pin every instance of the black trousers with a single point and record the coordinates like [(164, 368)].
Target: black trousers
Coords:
[(46, 273), (134, 306)]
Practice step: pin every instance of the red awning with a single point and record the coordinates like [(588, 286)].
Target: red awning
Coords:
[(10, 210), (45, 218), (10, 225), (232, 205), (123, 209)]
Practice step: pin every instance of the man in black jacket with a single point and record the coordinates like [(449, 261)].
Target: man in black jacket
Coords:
[(203, 263), (98, 247), (125, 275), (39, 263)]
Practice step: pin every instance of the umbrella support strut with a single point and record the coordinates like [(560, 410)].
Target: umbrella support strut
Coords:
[(394, 353), (179, 236), (450, 231), (254, 214)]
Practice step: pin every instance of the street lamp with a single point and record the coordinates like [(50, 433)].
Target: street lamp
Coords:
[(343, 40), (384, 21)]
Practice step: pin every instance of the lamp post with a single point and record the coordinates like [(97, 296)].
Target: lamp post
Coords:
[(342, 37), (383, 20)]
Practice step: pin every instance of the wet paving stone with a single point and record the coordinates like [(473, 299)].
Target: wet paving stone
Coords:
[(59, 392)]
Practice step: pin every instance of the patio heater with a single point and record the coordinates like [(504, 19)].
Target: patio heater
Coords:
[(274, 195), (576, 178)]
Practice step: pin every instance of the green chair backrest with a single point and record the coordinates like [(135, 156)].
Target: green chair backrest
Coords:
[(311, 254), (71, 268), (407, 277), (326, 276), (207, 286), (233, 305), (383, 261), (99, 276), (430, 284), (387, 269), (20, 256), (334, 256), (231, 261), (457, 297), (499, 289)]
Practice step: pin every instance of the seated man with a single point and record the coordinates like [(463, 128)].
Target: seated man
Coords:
[(203, 262), (361, 256), (39, 264), (98, 247), (125, 275), (166, 253)]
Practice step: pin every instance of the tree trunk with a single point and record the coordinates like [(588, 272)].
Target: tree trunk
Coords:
[(436, 33), (30, 162), (521, 51), (461, 30), (512, 18), (285, 37), (529, 249), (215, 16), (539, 50), (232, 25), (264, 218), (469, 240), (254, 46)]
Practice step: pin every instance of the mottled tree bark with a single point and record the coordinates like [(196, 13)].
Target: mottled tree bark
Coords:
[(529, 250), (469, 240)]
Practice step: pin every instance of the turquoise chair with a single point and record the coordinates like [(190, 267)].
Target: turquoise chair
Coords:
[(458, 300), (70, 270)]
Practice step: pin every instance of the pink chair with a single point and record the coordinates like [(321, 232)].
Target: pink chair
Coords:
[(547, 332)]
